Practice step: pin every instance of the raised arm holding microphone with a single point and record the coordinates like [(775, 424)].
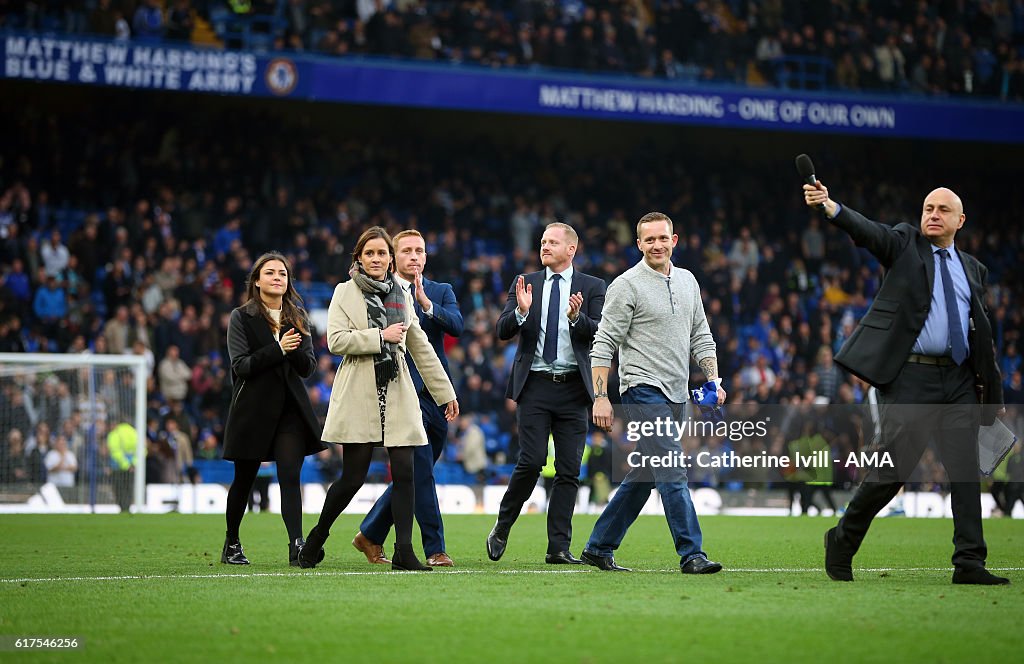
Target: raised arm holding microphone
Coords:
[(925, 340)]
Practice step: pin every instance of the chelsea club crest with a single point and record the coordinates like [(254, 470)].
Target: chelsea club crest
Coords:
[(281, 76)]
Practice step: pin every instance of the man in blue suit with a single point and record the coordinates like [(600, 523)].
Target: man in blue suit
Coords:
[(439, 315)]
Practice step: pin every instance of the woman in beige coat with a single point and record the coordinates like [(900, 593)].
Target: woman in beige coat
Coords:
[(372, 323)]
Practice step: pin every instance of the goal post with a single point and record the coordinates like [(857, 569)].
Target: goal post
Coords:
[(93, 406)]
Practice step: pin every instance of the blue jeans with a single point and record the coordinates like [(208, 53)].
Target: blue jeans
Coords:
[(378, 522), (645, 403)]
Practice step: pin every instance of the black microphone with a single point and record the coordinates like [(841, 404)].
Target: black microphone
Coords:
[(805, 167)]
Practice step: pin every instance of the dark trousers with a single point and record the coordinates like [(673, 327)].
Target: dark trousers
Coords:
[(261, 489), (1012, 492), (806, 492), (124, 487), (560, 411), (378, 522), (950, 419)]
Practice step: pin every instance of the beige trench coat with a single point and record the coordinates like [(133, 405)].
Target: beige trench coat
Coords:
[(353, 415)]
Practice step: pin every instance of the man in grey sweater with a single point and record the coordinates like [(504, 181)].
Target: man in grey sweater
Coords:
[(654, 317)]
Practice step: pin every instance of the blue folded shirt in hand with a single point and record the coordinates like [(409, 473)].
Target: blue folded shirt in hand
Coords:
[(706, 399)]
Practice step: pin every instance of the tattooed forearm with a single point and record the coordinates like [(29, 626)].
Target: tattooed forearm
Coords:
[(709, 365), (599, 376)]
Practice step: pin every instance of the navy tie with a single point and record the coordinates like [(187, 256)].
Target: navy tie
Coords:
[(956, 333), (551, 330)]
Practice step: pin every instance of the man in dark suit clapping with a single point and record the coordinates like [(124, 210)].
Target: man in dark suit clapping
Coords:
[(555, 312), (924, 344), (439, 314)]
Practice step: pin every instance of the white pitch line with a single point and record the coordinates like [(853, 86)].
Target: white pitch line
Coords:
[(871, 569), (382, 573)]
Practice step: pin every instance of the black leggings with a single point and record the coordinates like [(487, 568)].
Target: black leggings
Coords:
[(289, 453), (355, 463)]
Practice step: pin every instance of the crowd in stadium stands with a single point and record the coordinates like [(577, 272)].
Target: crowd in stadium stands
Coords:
[(950, 47), (142, 246)]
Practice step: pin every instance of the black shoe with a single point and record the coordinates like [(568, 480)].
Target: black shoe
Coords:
[(604, 563), (293, 551), (838, 561), (405, 560), (700, 565), (978, 576), (562, 558), (496, 543), (232, 553), (312, 550)]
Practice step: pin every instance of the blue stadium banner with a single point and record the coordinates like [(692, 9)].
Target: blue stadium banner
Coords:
[(658, 101), (443, 86), (150, 66)]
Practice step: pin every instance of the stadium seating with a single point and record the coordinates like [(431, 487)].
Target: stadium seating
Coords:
[(973, 48)]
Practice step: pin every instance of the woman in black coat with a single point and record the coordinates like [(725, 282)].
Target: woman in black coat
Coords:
[(271, 418)]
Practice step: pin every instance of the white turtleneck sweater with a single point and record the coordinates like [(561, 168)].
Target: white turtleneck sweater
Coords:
[(275, 314)]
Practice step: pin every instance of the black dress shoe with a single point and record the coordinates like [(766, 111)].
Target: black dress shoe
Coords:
[(496, 543), (232, 553), (605, 563), (562, 558), (978, 576), (311, 552), (700, 565), (838, 560)]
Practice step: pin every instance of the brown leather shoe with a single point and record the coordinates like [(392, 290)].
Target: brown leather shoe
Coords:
[(440, 560), (374, 552)]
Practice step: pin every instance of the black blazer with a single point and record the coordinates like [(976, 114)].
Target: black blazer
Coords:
[(885, 336), (582, 333), (263, 382)]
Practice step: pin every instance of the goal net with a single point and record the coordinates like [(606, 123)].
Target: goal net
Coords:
[(72, 432)]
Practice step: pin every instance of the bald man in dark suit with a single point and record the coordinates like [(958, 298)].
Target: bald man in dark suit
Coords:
[(925, 344)]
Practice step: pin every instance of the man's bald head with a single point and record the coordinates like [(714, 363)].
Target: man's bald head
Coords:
[(947, 194), (942, 215)]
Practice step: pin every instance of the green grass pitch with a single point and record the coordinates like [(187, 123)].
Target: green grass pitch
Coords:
[(152, 588)]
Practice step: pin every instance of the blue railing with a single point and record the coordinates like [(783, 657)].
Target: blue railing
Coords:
[(803, 72)]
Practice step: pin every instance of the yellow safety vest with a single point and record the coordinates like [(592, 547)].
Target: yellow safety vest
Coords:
[(121, 443)]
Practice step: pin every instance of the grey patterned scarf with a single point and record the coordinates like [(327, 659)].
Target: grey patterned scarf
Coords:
[(385, 306)]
